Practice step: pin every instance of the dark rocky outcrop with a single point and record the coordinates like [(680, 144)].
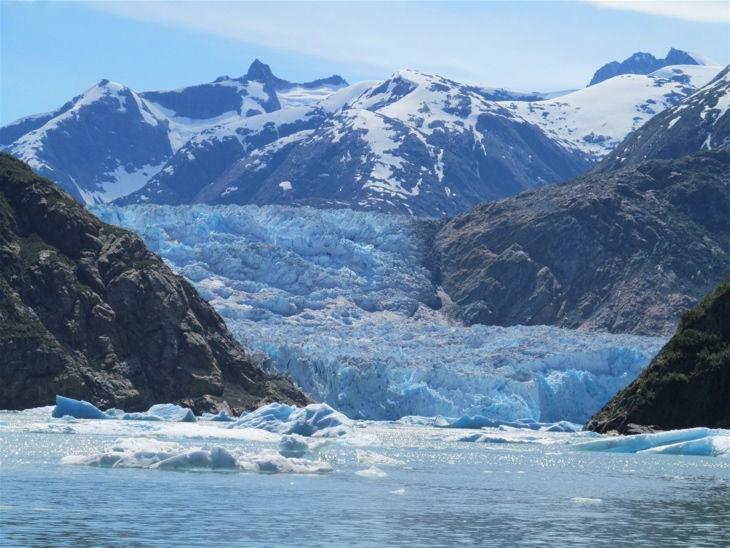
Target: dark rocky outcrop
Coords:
[(642, 63), (687, 384), (87, 311), (624, 251)]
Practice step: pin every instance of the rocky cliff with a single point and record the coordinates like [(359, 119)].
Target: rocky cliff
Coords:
[(86, 310), (688, 382), (624, 251)]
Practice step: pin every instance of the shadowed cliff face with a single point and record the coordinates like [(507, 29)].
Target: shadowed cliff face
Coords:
[(87, 311), (625, 251), (688, 382)]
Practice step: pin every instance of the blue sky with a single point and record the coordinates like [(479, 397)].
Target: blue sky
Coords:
[(51, 51)]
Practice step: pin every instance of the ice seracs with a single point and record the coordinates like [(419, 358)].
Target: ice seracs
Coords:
[(343, 303)]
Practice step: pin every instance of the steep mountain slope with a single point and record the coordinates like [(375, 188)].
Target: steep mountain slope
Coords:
[(110, 141), (105, 143), (687, 384), (700, 122), (596, 119), (86, 310), (207, 155), (624, 251), (644, 63), (415, 143)]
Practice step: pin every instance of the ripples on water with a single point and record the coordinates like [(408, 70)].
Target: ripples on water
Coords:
[(444, 493)]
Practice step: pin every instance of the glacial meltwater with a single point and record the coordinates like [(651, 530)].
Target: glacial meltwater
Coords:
[(80, 482)]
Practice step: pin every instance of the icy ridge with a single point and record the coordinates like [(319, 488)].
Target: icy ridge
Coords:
[(342, 302)]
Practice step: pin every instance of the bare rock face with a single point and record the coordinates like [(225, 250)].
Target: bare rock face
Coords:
[(625, 251), (86, 310), (687, 384)]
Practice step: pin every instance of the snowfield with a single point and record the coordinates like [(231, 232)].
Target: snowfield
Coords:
[(597, 118), (342, 302)]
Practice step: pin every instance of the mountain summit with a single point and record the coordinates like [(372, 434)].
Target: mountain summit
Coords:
[(644, 63)]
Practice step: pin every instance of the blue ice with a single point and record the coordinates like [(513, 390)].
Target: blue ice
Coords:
[(342, 302)]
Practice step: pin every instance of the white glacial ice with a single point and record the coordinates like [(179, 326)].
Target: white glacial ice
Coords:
[(706, 442), (163, 455), (341, 301), (316, 420)]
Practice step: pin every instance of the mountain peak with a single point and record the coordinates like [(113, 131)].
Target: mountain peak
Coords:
[(642, 62), (259, 71)]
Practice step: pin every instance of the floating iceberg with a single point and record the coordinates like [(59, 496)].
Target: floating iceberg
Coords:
[(372, 473), (692, 441), (161, 455), (479, 421), (317, 419), (84, 410), (79, 409), (221, 416), (164, 412), (343, 303)]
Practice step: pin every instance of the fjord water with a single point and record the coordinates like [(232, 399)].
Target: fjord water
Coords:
[(417, 485)]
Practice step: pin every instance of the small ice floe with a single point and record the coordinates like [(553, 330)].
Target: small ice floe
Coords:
[(222, 416), (80, 409), (372, 472), (51, 428), (586, 500), (376, 459), (705, 442), (496, 438), (316, 420), (479, 421), (161, 455), (398, 492), (417, 420)]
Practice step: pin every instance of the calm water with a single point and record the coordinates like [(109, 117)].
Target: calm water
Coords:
[(441, 492)]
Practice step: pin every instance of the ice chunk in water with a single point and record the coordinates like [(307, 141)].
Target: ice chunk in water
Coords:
[(222, 416), (84, 410), (317, 419), (79, 409), (160, 455), (165, 412), (690, 441)]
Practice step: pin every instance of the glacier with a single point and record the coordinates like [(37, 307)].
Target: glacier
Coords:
[(344, 303)]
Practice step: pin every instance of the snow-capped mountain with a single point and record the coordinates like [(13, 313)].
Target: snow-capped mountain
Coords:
[(594, 120), (104, 143), (645, 63), (208, 154), (110, 141), (700, 122), (414, 143)]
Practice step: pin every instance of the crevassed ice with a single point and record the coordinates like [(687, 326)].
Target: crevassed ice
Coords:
[(341, 301)]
